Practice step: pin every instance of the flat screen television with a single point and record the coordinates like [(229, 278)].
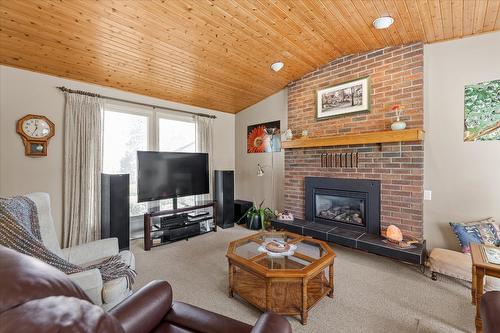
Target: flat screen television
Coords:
[(166, 175)]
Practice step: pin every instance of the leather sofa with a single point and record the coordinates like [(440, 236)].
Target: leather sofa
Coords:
[(490, 312), (36, 297)]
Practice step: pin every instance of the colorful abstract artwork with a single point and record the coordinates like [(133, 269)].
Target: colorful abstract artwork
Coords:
[(264, 138), (482, 111)]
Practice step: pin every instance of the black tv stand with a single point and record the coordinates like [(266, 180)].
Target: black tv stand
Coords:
[(166, 226)]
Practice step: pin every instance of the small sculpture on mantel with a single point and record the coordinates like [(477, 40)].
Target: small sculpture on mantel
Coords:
[(398, 125), (287, 135)]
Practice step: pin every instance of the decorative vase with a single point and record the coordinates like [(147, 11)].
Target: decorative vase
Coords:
[(254, 223), (398, 125)]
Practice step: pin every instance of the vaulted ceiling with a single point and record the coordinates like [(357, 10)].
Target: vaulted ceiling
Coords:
[(216, 54)]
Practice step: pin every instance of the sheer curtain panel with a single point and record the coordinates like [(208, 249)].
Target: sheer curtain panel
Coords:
[(82, 169), (204, 144)]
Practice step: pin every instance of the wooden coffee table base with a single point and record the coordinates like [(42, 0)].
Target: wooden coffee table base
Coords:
[(282, 295)]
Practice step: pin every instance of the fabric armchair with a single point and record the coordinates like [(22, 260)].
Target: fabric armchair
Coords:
[(106, 294)]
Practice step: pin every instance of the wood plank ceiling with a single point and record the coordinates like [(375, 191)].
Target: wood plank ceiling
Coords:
[(216, 54)]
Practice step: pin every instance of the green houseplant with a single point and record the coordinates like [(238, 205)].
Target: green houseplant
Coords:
[(258, 216)]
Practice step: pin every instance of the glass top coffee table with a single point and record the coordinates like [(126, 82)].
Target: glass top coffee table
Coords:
[(288, 284)]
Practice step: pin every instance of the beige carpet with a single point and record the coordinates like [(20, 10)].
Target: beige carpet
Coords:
[(372, 293)]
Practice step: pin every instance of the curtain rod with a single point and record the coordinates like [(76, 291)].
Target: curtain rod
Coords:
[(81, 92)]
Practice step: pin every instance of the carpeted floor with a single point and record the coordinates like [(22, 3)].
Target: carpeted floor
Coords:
[(372, 293)]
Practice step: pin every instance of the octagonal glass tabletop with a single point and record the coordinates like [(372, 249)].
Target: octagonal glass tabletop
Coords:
[(307, 250)]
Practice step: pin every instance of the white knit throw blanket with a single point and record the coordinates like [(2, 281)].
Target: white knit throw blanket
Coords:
[(20, 231)]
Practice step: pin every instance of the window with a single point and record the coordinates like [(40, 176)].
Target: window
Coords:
[(123, 135), (177, 135), (127, 130)]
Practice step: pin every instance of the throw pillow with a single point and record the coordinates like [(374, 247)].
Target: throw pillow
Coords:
[(484, 232)]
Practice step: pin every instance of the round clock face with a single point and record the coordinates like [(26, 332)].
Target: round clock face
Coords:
[(36, 128)]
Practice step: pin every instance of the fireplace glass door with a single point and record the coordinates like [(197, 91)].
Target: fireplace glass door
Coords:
[(338, 208)]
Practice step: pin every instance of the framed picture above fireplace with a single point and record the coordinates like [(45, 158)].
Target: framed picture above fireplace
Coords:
[(344, 98)]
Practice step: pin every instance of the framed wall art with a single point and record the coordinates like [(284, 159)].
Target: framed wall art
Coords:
[(344, 98), (264, 138), (482, 111)]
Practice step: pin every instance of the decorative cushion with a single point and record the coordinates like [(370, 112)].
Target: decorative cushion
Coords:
[(484, 232)]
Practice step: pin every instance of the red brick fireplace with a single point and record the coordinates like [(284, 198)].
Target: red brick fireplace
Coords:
[(396, 75)]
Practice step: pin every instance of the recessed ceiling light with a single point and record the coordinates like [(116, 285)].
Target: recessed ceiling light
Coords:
[(383, 22), (277, 66)]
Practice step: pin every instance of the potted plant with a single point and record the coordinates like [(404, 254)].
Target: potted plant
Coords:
[(258, 216)]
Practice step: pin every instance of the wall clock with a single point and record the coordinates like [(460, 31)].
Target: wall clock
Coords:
[(36, 132)]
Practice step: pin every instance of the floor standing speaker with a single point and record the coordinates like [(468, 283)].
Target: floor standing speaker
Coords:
[(224, 194), (115, 208)]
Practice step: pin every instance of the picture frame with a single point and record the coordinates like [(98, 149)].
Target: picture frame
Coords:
[(344, 98), (482, 111), (264, 137)]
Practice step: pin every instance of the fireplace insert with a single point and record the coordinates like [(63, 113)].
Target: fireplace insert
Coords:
[(340, 208), (348, 203)]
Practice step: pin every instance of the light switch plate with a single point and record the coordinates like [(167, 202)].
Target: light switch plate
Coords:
[(427, 195)]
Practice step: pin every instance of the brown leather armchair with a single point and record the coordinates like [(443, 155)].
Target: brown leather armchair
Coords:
[(490, 312), (36, 297)]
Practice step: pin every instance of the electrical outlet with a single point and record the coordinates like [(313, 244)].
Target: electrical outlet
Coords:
[(427, 195)]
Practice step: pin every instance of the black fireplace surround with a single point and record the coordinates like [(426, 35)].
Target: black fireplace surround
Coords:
[(345, 203)]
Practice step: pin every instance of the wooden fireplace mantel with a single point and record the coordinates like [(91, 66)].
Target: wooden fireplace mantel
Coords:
[(413, 134)]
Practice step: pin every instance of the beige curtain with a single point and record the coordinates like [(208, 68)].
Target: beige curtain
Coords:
[(82, 169), (204, 144)]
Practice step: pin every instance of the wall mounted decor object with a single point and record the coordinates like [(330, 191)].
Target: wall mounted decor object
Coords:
[(36, 132), (482, 111), (348, 97), (264, 138), (339, 160)]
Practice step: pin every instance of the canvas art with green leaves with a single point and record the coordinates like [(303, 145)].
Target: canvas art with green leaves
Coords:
[(482, 111)]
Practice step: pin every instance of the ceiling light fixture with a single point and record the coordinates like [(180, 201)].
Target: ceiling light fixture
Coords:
[(383, 22), (277, 66)]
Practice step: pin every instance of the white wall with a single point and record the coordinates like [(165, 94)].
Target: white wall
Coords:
[(23, 92), (247, 185), (464, 176)]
